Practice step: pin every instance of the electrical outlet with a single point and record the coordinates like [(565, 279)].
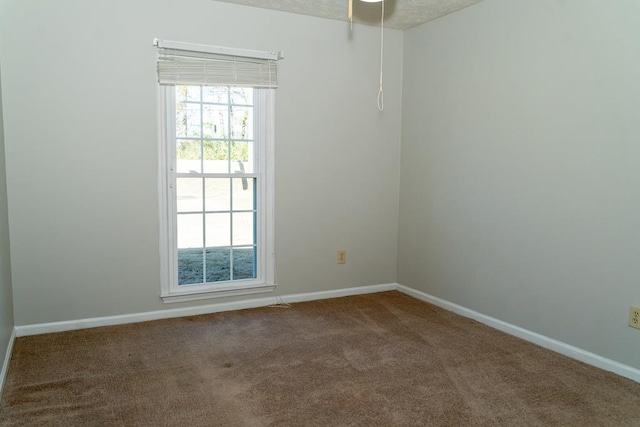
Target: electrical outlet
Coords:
[(634, 317), (342, 256)]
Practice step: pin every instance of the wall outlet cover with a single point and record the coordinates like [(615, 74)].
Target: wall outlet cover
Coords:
[(634, 317)]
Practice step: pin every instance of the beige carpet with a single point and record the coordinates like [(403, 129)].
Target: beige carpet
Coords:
[(375, 360)]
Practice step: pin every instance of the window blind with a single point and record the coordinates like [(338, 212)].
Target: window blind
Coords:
[(190, 67)]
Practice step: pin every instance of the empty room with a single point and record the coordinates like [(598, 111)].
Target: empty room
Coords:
[(320, 213)]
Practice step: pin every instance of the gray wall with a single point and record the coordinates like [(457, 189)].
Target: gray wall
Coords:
[(6, 294), (81, 142), (520, 172)]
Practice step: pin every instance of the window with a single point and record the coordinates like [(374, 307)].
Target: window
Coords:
[(216, 173)]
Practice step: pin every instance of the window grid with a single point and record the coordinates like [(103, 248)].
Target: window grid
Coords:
[(231, 137)]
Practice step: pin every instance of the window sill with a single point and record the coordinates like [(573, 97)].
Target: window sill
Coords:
[(228, 291)]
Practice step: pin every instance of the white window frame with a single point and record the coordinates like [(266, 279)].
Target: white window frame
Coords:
[(264, 149)]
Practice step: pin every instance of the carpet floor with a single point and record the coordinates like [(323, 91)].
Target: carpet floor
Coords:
[(373, 360)]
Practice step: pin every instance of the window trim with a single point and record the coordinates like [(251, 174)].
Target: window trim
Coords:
[(264, 142)]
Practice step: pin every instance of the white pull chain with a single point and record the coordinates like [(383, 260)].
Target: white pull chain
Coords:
[(350, 14), (381, 90)]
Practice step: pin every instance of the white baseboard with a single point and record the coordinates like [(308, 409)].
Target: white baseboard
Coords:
[(360, 290), (541, 340), (45, 328), (7, 359)]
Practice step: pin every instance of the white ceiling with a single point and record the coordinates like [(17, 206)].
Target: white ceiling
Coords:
[(399, 14)]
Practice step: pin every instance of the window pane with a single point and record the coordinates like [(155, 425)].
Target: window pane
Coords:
[(244, 263), (189, 231), (215, 121), (187, 120), (217, 194), (193, 93), (188, 155), (189, 194), (242, 122), (242, 95), (187, 93), (218, 229), (217, 94), (181, 120), (190, 266), (243, 229), (216, 157), (242, 157), (244, 194), (218, 264)]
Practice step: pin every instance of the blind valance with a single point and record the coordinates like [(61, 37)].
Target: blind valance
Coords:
[(205, 65)]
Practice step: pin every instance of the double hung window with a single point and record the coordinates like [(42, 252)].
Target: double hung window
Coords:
[(216, 173)]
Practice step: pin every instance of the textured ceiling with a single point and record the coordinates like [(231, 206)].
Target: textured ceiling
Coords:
[(399, 14)]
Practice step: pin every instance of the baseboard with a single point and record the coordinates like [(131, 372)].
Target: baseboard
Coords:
[(535, 338), (337, 293), (45, 328), (7, 359)]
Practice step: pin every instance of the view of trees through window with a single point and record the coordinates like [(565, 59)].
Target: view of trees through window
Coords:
[(213, 150)]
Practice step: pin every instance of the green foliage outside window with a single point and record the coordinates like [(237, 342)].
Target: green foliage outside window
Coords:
[(213, 150)]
